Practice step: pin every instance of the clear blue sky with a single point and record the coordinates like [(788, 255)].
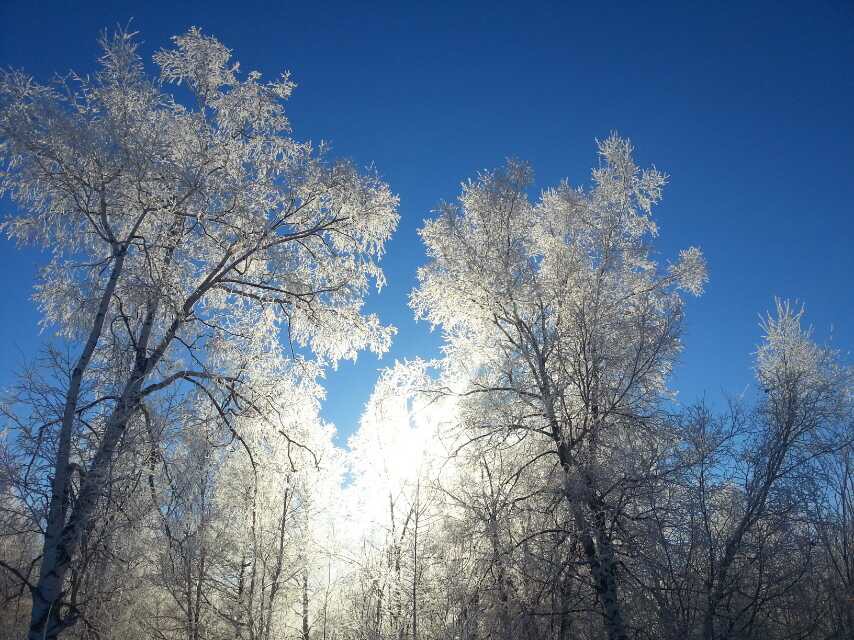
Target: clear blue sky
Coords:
[(750, 109)]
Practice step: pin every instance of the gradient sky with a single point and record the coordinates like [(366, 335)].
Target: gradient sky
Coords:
[(749, 109)]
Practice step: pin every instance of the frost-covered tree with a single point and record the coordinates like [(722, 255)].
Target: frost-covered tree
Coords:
[(189, 233), (753, 504), (394, 458), (560, 310), (239, 525), (804, 416), (834, 517)]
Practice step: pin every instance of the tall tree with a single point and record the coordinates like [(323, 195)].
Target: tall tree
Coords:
[(187, 236), (559, 306)]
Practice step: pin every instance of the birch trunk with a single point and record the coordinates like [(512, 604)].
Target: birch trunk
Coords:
[(46, 620)]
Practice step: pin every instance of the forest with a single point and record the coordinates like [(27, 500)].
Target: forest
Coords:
[(165, 471)]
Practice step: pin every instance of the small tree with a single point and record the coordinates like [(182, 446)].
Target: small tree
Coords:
[(186, 238), (804, 416)]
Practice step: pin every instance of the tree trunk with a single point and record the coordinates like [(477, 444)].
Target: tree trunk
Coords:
[(599, 552), (45, 619), (604, 571), (565, 616), (415, 563), (305, 627), (46, 622)]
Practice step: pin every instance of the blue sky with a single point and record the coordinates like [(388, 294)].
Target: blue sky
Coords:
[(747, 108)]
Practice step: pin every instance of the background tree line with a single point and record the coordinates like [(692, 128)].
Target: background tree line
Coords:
[(164, 472)]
